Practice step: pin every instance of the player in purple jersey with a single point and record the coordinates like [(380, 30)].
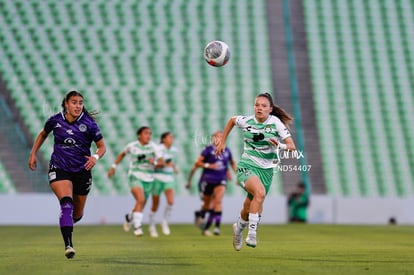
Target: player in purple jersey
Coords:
[(212, 183), (74, 129)]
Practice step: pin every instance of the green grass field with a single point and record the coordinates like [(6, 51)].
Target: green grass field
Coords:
[(282, 249)]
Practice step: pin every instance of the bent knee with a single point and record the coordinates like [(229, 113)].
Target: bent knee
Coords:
[(259, 196)]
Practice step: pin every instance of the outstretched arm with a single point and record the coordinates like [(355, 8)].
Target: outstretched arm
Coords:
[(36, 145), (118, 159), (190, 176), (222, 144)]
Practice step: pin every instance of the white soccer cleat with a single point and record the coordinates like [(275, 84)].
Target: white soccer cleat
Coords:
[(216, 231), (165, 228), (70, 252), (127, 224), (153, 231), (207, 233), (138, 232), (237, 238), (251, 240)]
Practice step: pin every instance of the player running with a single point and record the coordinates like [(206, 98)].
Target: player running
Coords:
[(74, 129), (143, 159), (212, 183), (264, 133), (164, 181)]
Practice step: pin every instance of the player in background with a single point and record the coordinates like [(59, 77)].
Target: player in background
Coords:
[(212, 183), (264, 133), (143, 159), (298, 203), (164, 181), (70, 178)]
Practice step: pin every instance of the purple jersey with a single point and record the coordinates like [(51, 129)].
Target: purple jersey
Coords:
[(215, 175), (72, 141)]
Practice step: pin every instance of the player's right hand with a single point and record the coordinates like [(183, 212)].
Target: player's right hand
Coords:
[(220, 148), (32, 163), (111, 172)]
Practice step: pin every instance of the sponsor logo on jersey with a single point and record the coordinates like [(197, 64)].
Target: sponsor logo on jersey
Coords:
[(69, 141), (69, 131)]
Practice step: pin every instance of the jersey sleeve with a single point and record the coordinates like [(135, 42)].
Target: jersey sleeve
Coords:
[(230, 155), (49, 125), (158, 152), (240, 121), (95, 132), (205, 152), (282, 130), (127, 148)]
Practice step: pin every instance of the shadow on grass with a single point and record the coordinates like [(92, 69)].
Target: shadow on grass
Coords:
[(143, 262)]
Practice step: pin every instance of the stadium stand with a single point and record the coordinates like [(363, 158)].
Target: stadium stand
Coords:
[(6, 184), (361, 57), (137, 62)]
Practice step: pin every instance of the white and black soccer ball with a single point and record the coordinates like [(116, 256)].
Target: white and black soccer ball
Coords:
[(217, 53)]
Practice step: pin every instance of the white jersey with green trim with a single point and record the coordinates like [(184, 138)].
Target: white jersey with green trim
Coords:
[(166, 174), (258, 151), (140, 155)]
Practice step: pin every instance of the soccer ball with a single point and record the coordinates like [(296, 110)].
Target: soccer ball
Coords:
[(217, 53)]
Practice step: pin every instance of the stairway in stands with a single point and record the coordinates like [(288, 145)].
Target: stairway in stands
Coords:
[(282, 87)]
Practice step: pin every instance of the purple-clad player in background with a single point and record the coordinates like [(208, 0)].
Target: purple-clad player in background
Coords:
[(212, 184), (74, 129)]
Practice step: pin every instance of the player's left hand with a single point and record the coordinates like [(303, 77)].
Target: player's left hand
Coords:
[(90, 163), (274, 142)]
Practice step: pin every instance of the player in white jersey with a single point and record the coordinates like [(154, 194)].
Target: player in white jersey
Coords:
[(264, 133), (143, 159), (164, 181)]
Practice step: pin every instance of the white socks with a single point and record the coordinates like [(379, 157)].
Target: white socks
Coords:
[(253, 222), (241, 224), (152, 218), (167, 212), (137, 219)]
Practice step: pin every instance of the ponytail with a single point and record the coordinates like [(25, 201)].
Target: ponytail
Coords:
[(284, 116), (277, 111)]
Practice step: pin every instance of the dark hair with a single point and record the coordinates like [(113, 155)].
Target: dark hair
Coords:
[(301, 184), (76, 93), (164, 135), (284, 116), (141, 129)]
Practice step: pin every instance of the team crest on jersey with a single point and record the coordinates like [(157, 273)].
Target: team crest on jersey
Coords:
[(83, 128), (268, 129)]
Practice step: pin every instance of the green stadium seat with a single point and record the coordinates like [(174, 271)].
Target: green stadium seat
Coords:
[(139, 63), (366, 39), (6, 184)]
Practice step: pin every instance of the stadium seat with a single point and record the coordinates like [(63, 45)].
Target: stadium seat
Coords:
[(360, 94), (6, 185), (137, 63)]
